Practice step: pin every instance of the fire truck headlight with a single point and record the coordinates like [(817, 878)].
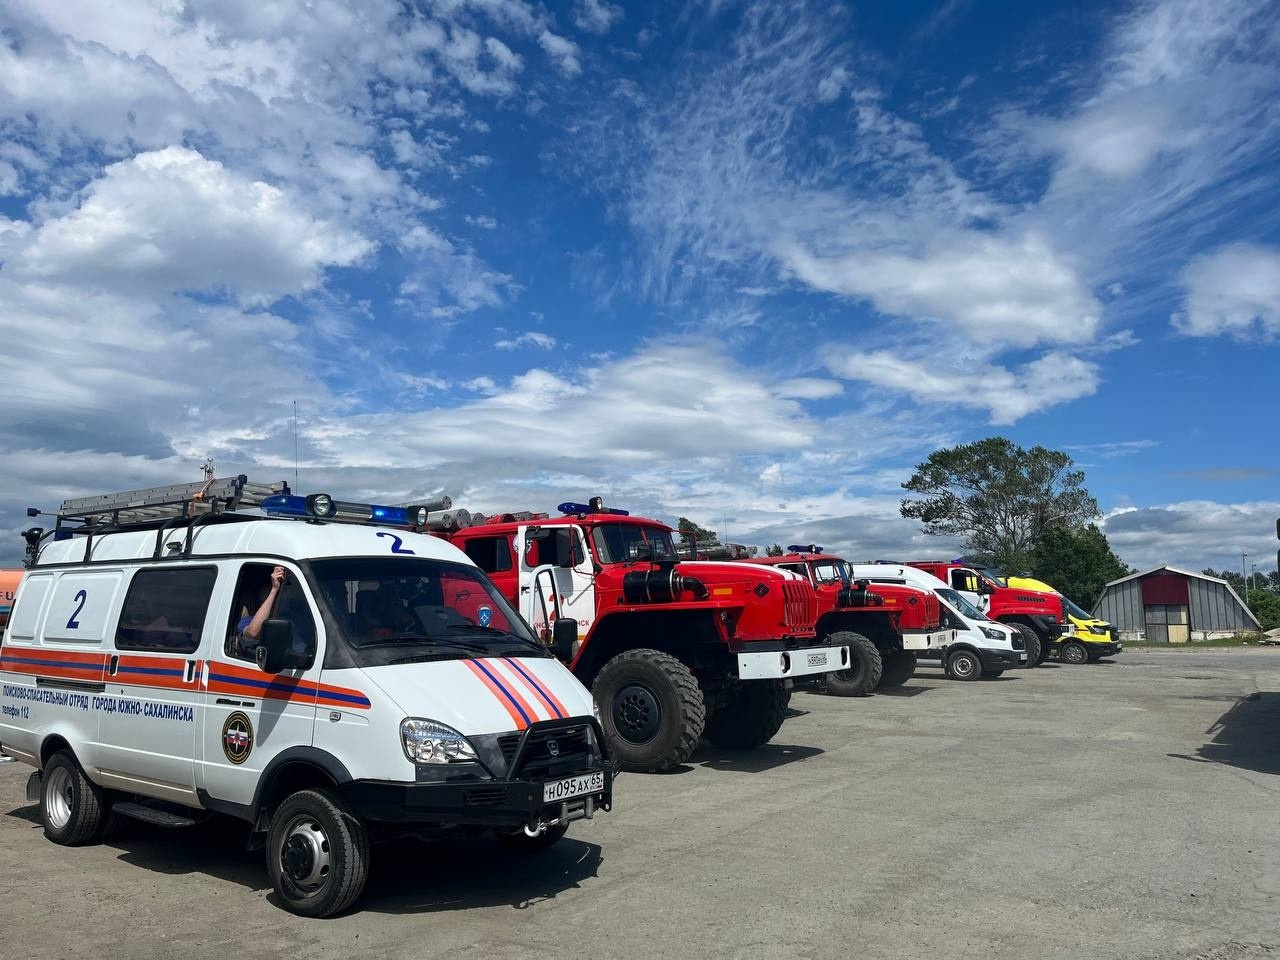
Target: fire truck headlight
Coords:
[(426, 741)]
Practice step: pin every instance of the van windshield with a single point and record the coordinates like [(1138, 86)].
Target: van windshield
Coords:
[(425, 606), (966, 609), (1076, 611)]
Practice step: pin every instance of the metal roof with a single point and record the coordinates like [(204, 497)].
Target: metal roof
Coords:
[(1182, 573)]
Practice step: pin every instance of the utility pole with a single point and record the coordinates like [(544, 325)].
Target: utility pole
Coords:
[(1245, 573)]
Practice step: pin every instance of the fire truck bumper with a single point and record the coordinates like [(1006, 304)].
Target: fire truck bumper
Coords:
[(784, 664), (923, 640)]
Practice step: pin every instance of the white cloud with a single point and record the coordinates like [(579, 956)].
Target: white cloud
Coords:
[(596, 16), (1195, 534), (564, 53), (543, 341), (171, 220), (482, 221), (833, 84), (1235, 290), (1008, 395), (809, 388)]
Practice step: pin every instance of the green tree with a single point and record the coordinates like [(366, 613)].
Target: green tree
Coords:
[(1266, 607), (689, 531), (774, 551), (1076, 563), (999, 497)]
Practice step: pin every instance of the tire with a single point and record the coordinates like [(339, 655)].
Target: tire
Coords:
[(865, 666), (73, 809), (1032, 642), (991, 674), (520, 843), (317, 854), (652, 709), (1074, 652), (963, 665), (751, 717), (899, 667)]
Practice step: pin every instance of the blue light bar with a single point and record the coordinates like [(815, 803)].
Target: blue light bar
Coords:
[(285, 505), (569, 508), (802, 548), (392, 516)]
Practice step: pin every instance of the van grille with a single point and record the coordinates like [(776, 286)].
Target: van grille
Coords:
[(800, 606), (1017, 641), (573, 750)]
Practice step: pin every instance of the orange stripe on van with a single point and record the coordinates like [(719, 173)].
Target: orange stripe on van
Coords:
[(498, 693)]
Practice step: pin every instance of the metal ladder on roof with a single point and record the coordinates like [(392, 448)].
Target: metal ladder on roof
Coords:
[(186, 500)]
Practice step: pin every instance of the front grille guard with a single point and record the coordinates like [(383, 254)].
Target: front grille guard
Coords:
[(549, 727)]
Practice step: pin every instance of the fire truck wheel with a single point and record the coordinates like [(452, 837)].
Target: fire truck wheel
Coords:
[(1073, 652), (1032, 642), (899, 667), (519, 842), (963, 665), (317, 854), (652, 709), (71, 805), (865, 666), (750, 716)]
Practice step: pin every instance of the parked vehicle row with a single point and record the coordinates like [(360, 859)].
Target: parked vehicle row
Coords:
[(332, 672)]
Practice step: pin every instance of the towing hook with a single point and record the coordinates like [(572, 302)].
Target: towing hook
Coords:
[(537, 831)]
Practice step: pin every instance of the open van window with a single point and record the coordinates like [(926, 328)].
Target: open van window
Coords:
[(419, 608), (252, 587)]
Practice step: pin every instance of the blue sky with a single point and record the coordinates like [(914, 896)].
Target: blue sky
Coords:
[(745, 262)]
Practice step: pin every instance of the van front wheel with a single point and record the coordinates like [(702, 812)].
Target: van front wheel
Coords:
[(71, 805), (317, 854)]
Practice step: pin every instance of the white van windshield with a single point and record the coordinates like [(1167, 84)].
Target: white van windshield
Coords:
[(448, 608), (966, 609)]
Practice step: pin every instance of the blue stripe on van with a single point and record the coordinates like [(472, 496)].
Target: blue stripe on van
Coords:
[(290, 688)]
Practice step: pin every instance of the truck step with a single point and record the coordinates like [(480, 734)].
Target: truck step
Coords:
[(160, 817)]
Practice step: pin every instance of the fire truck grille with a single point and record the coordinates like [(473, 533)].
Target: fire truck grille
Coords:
[(932, 612), (800, 606)]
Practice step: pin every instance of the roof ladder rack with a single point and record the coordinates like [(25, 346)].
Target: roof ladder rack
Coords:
[(183, 500)]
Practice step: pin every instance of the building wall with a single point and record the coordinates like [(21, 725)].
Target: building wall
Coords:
[(1214, 611)]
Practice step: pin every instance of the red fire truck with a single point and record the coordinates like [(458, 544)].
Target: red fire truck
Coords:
[(883, 630), (672, 651)]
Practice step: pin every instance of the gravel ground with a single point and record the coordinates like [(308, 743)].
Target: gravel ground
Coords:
[(1123, 809)]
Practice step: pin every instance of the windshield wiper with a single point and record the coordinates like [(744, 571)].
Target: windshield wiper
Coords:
[(514, 638)]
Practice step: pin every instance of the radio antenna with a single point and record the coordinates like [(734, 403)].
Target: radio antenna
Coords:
[(295, 444)]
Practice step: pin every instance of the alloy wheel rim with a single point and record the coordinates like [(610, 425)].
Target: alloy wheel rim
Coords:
[(58, 798)]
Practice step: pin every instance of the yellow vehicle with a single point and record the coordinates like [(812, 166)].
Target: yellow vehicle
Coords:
[(1091, 639)]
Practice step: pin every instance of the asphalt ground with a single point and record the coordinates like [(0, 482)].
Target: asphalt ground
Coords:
[(1123, 809)]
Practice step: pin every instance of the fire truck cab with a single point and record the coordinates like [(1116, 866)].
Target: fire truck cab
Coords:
[(672, 650)]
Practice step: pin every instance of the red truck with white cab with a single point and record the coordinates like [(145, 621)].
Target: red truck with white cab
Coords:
[(673, 651)]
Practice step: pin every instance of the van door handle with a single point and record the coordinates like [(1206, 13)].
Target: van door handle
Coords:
[(113, 665), (190, 673)]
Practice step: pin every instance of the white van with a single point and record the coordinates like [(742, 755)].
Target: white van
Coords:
[(391, 688), (974, 646)]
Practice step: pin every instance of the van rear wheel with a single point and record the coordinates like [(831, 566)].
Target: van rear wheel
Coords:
[(317, 854), (72, 806), (963, 665)]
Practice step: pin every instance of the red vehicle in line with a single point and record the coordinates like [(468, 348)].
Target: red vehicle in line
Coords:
[(883, 630), (672, 651), (1040, 616)]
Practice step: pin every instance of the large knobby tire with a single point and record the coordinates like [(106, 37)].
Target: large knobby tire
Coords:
[(899, 667), (963, 665), (652, 708), (865, 666), (1075, 652), (750, 716), (519, 842), (72, 806), (317, 854), (1032, 641)]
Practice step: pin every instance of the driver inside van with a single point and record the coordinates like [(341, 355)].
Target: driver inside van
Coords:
[(254, 613)]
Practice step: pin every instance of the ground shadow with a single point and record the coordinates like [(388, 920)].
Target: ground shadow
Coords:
[(406, 876), (769, 757), (1245, 736), (904, 691)]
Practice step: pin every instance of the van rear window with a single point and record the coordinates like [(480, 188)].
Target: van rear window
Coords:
[(165, 610)]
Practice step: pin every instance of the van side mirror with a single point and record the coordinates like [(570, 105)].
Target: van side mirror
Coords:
[(564, 634), (275, 645)]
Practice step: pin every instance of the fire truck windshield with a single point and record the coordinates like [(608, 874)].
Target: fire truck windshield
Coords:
[(831, 571), (618, 542)]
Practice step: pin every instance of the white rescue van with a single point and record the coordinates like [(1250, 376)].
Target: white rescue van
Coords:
[(391, 688), (973, 646)]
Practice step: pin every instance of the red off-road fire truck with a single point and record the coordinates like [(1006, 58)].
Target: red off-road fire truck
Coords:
[(883, 630), (672, 651), (1039, 616)]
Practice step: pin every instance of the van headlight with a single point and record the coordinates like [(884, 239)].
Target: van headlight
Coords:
[(426, 741), (992, 634)]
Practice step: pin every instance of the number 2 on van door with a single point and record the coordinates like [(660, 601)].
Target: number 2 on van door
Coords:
[(72, 622), (397, 545)]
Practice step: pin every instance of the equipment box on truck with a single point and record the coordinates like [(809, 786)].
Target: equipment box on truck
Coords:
[(317, 668)]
